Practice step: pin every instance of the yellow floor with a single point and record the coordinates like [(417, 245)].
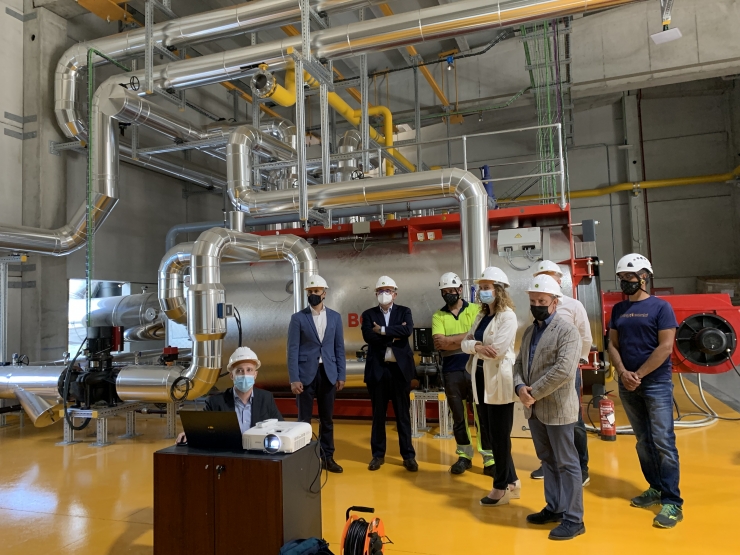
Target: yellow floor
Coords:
[(80, 499)]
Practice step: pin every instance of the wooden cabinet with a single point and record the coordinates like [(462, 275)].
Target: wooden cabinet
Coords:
[(223, 503)]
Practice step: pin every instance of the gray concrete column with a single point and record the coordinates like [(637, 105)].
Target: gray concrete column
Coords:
[(633, 157), (45, 292)]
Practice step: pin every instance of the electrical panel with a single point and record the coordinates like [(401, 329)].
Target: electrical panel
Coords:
[(522, 241)]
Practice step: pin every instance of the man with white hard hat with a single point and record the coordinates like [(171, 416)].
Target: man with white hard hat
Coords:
[(316, 364), (450, 325), (251, 405), (642, 331), (572, 310), (544, 379), (389, 369)]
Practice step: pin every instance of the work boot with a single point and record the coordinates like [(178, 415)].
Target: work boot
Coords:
[(461, 466), (411, 465), (668, 517), (544, 516), (376, 463), (538, 474), (567, 530), (331, 465), (647, 498)]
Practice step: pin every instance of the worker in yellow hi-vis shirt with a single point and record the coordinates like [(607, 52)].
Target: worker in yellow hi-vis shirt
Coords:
[(450, 325)]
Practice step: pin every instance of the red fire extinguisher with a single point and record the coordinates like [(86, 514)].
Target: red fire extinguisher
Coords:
[(608, 419)]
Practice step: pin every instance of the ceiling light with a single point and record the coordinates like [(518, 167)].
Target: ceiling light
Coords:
[(666, 36)]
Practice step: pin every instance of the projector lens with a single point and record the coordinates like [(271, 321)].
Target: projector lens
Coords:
[(272, 443)]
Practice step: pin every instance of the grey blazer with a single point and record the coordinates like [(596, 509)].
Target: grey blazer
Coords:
[(553, 373)]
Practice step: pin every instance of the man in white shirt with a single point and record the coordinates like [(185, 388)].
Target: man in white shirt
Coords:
[(316, 364), (574, 312), (389, 370)]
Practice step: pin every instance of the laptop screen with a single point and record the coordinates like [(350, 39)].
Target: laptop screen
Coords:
[(212, 430)]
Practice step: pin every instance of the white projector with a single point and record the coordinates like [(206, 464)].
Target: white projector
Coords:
[(274, 436)]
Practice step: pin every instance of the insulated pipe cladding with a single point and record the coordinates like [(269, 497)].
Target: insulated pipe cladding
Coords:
[(455, 183), (205, 319)]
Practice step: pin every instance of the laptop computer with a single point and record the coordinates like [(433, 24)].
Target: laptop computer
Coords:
[(211, 430)]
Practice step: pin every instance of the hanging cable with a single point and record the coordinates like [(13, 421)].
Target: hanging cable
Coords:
[(238, 318), (508, 259)]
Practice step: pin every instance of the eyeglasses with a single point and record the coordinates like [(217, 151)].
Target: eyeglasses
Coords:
[(389, 291)]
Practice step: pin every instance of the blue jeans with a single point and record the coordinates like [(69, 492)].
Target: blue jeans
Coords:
[(650, 411)]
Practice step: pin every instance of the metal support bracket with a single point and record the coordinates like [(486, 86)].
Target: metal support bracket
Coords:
[(130, 426), (57, 148), (317, 19), (171, 420), (315, 69), (323, 217)]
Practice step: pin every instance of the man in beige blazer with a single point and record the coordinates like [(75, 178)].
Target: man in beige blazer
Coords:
[(544, 379)]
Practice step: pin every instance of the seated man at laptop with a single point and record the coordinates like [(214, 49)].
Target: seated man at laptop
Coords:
[(251, 405)]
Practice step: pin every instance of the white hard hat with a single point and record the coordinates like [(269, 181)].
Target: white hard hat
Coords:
[(547, 266), (316, 281), (545, 284), (450, 280), (243, 354), (634, 263), (385, 281), (495, 275)]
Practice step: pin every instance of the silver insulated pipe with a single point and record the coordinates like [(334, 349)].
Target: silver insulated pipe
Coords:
[(205, 318), (448, 183), (200, 27)]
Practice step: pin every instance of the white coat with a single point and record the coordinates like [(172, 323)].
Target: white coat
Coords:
[(498, 375)]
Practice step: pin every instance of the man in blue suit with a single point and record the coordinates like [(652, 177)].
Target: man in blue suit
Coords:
[(389, 370), (316, 364)]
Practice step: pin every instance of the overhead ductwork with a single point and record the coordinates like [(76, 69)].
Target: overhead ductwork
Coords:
[(454, 183), (243, 142), (200, 27)]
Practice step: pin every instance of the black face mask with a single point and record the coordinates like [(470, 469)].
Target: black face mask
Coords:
[(314, 300), (629, 287), (451, 298), (540, 313)]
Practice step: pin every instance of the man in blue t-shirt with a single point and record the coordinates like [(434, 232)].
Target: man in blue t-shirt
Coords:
[(641, 334)]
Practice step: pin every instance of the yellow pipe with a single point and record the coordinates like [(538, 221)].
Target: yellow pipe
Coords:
[(386, 9), (638, 185), (286, 96)]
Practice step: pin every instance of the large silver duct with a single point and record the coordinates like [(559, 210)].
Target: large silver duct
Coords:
[(205, 320), (171, 289), (349, 142), (192, 29), (435, 23), (244, 141), (129, 311), (455, 183), (32, 386)]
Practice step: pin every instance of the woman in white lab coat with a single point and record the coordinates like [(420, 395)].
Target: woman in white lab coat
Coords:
[(490, 343)]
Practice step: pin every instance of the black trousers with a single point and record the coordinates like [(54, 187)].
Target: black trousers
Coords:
[(324, 392), (459, 391), (496, 422), (391, 387)]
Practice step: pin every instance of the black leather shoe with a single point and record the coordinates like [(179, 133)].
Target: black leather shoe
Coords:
[(544, 516), (411, 465), (376, 463), (567, 530), (331, 465), (461, 466)]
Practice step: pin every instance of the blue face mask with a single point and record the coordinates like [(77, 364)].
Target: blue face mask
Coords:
[(486, 296), (244, 383)]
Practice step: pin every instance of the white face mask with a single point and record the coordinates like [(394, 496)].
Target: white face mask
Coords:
[(385, 298)]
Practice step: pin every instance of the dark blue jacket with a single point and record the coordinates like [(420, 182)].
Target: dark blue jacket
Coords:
[(305, 349), (400, 327)]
